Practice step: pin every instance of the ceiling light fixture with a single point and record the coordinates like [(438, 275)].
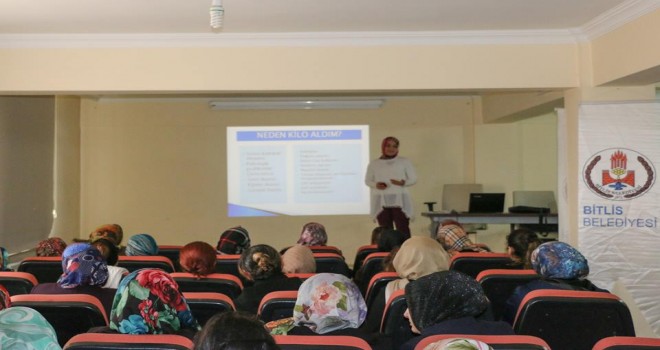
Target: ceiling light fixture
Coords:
[(295, 104), (217, 13)]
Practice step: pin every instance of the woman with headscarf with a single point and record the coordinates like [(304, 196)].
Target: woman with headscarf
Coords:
[(560, 267), (449, 302), (142, 244), (388, 178), (110, 252), (53, 246), (197, 258), (85, 272), (298, 259), (5, 298), (454, 239), (4, 260), (417, 257), (261, 264), (312, 234), (113, 232), (148, 301), (327, 304), (233, 241), (25, 328)]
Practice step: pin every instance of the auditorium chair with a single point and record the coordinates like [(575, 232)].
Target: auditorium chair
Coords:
[(171, 252), (499, 284), (627, 343), (320, 342), (300, 275), (497, 342), (277, 305), (377, 283), (45, 269), (227, 263), (100, 341), (569, 319), (229, 285), (394, 325), (362, 253), (69, 314), (132, 263), (371, 265), (204, 305), (325, 249), (331, 263), (18, 282), (473, 263)]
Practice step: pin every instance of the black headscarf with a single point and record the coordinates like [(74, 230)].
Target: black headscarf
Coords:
[(442, 296)]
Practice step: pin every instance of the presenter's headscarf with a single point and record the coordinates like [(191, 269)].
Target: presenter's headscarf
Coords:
[(384, 143), (444, 295), (25, 328), (313, 233), (141, 245), (83, 264), (148, 301), (5, 298), (4, 259), (233, 241), (559, 260), (53, 246)]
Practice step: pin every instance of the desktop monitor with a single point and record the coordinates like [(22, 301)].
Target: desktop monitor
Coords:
[(486, 203)]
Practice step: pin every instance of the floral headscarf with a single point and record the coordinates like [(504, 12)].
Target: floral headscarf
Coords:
[(5, 298), (53, 246), (233, 241), (458, 344), (4, 259), (141, 245), (148, 301), (328, 302), (559, 260), (444, 295), (313, 233), (417, 257), (83, 264), (25, 328), (384, 143)]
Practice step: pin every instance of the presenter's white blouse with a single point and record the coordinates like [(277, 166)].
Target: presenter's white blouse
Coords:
[(383, 170)]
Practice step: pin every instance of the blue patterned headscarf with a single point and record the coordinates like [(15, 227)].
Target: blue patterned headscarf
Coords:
[(141, 245), (83, 264), (4, 259), (25, 328), (148, 301), (559, 260)]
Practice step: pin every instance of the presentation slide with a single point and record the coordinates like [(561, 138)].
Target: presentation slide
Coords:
[(297, 170)]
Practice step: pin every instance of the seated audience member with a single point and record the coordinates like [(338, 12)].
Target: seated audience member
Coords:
[(261, 264), (53, 246), (454, 239), (327, 304), (449, 302), (233, 241), (113, 232), (142, 244), (313, 233), (25, 328), (389, 241), (458, 344), (560, 267), (4, 260), (375, 234), (520, 245), (234, 331), (148, 301), (5, 298), (110, 253), (85, 272), (298, 259), (197, 258), (417, 257)]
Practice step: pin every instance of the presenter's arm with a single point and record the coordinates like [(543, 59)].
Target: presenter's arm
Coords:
[(411, 174), (370, 177)]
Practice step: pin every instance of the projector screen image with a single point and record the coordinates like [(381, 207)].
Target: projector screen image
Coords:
[(297, 170)]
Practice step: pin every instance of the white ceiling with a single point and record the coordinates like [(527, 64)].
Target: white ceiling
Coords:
[(300, 16)]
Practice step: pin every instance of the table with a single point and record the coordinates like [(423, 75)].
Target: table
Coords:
[(512, 219)]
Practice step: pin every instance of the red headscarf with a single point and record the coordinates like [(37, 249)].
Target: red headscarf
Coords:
[(384, 143)]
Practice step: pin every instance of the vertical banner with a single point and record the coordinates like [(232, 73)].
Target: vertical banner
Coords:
[(619, 199)]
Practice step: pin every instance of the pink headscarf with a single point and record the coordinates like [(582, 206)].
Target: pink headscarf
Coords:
[(384, 143)]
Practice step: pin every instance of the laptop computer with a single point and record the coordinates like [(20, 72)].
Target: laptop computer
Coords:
[(486, 203)]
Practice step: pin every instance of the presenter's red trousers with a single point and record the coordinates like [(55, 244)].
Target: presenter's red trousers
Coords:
[(391, 217)]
